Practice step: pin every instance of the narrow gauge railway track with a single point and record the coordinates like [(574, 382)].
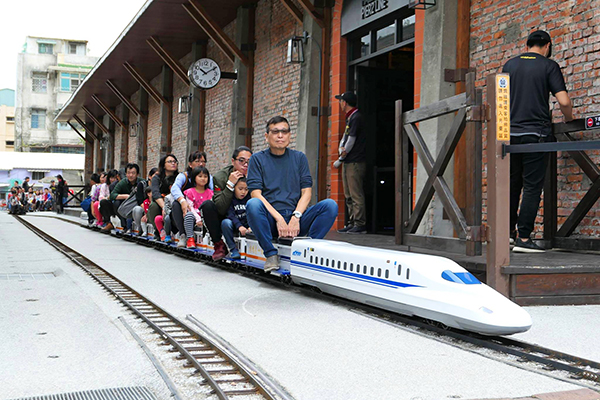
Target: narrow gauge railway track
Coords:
[(227, 378), (578, 368)]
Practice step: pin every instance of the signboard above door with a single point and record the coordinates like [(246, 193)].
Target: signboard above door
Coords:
[(358, 13)]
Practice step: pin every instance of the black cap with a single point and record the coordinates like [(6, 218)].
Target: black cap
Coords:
[(540, 36), (348, 97)]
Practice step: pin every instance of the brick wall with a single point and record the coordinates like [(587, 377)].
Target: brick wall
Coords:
[(179, 126), (499, 31), (218, 110), (133, 141), (276, 83), (154, 126)]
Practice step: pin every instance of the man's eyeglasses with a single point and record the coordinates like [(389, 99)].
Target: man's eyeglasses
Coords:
[(278, 131), (242, 161)]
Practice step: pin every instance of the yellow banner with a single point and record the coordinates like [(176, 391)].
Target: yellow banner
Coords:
[(503, 107)]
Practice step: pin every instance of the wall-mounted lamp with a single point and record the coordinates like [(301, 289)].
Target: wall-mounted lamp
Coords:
[(104, 143), (295, 52), (420, 4), (185, 104), (134, 129)]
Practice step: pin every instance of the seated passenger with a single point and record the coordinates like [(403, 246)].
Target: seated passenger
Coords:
[(195, 197), (163, 221), (280, 184), (145, 205), (138, 212), (95, 182), (236, 220), (184, 182), (119, 194), (167, 166)]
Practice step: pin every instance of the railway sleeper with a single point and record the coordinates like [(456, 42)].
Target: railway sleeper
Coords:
[(240, 392)]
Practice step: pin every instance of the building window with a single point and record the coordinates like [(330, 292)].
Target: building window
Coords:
[(10, 142), (63, 126), (386, 37), (408, 28), (68, 149), (39, 82), (72, 48), (36, 175), (70, 82), (10, 119), (45, 48), (38, 119)]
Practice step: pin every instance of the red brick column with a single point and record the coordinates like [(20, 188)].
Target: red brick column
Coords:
[(337, 121)]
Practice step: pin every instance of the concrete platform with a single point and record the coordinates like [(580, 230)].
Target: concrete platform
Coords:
[(320, 350), (60, 332)]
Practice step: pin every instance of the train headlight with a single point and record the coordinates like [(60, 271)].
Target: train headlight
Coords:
[(486, 310)]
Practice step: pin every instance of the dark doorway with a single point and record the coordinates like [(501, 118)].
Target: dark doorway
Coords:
[(379, 82)]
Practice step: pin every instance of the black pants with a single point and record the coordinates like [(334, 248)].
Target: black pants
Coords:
[(109, 208), (209, 214), (527, 173)]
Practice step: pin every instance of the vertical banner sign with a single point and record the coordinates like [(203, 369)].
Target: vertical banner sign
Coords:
[(503, 107)]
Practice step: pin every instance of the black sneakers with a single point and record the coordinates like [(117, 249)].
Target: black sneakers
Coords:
[(345, 229), (527, 246), (356, 230)]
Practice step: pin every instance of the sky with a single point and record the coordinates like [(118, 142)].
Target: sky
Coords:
[(98, 22)]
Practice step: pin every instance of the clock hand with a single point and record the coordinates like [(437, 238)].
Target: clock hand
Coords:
[(212, 69), (203, 71)]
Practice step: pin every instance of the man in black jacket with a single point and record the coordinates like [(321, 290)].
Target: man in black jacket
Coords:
[(353, 155), (533, 77)]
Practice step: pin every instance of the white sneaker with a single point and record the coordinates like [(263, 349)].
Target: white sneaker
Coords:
[(182, 239)]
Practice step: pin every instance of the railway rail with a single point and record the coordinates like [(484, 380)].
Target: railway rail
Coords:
[(227, 377), (550, 360)]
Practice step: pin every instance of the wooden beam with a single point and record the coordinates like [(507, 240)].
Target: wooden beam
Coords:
[(109, 112), (208, 30), (295, 11), (175, 66), (312, 11), (79, 133), (123, 98), (216, 30), (87, 128), (96, 120), (151, 90)]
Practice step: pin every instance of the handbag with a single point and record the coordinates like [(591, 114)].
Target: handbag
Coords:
[(86, 204), (126, 208)]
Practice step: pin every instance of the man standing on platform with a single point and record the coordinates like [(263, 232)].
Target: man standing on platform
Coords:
[(280, 184), (353, 155), (533, 77)]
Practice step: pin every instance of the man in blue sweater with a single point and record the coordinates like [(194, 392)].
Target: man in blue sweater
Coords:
[(280, 184)]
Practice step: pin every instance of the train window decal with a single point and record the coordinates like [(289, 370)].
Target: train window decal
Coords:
[(399, 270), (379, 272), (387, 274), (407, 273), (460, 277)]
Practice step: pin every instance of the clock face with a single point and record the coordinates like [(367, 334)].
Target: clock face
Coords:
[(205, 73)]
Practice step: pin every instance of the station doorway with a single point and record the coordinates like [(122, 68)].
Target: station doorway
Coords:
[(378, 83)]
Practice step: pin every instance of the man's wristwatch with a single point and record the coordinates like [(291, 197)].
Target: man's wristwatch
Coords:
[(297, 214)]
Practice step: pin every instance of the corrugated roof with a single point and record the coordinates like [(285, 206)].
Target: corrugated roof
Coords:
[(41, 161)]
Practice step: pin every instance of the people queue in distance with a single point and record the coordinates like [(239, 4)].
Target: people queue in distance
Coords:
[(23, 199), (266, 196)]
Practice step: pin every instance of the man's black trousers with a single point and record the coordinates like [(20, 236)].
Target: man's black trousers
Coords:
[(527, 173)]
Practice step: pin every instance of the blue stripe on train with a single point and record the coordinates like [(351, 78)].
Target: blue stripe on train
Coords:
[(351, 275)]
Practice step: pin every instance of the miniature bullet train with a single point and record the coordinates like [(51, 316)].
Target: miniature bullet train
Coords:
[(430, 287)]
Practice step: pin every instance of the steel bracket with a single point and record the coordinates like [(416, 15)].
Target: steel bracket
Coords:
[(477, 233), (478, 113)]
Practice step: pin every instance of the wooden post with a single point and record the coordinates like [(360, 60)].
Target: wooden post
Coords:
[(473, 162), (550, 201), (498, 179), (400, 169)]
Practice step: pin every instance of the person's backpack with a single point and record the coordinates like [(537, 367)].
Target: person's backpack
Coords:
[(126, 208), (86, 204)]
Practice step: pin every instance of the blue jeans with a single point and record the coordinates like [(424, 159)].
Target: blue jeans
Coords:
[(228, 231), (315, 222)]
